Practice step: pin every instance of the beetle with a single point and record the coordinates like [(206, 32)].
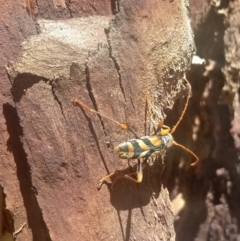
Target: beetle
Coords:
[(144, 147)]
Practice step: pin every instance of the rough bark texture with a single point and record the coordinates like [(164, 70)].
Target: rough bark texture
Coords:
[(53, 154), (210, 193)]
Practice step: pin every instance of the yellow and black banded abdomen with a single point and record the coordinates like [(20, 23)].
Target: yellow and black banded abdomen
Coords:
[(146, 146)]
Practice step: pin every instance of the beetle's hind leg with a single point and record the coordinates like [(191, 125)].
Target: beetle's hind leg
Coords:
[(79, 103), (119, 174)]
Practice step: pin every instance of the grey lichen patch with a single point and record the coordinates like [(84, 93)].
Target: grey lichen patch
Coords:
[(59, 44)]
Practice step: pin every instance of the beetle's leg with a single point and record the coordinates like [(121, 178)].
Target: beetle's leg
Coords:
[(79, 103), (161, 128), (152, 111), (105, 178), (119, 174), (167, 129)]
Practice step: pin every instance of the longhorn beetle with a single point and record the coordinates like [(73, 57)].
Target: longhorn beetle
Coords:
[(144, 147)]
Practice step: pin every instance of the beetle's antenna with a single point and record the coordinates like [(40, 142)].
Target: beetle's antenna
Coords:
[(185, 107), (186, 149)]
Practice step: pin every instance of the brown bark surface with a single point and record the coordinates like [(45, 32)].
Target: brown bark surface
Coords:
[(208, 207), (112, 56)]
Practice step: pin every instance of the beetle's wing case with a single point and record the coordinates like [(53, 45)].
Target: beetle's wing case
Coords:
[(143, 147)]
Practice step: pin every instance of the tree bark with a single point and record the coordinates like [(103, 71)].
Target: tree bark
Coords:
[(113, 63)]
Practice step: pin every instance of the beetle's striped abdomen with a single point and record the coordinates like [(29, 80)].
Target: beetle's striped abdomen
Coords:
[(146, 146)]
